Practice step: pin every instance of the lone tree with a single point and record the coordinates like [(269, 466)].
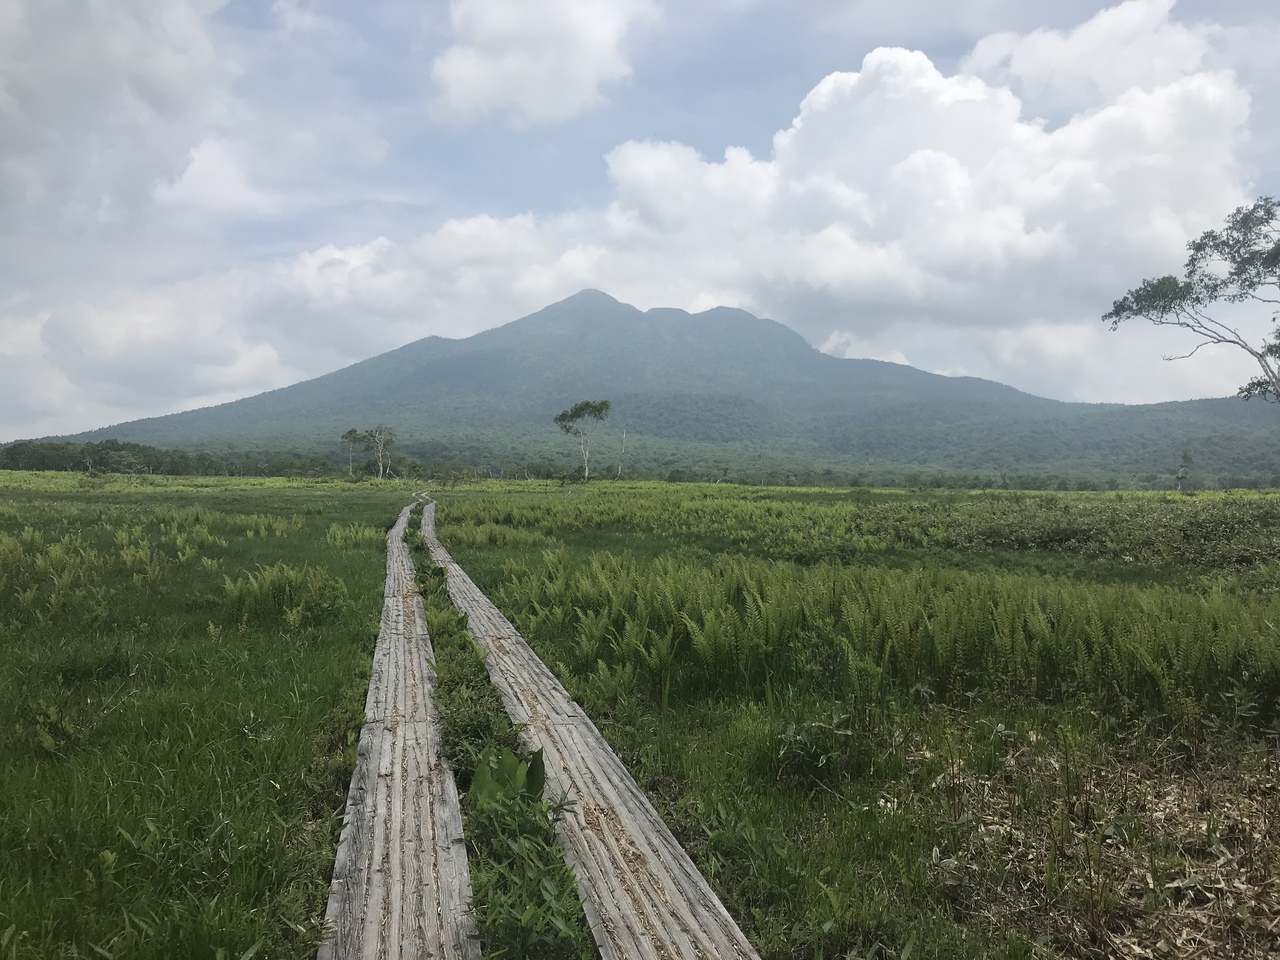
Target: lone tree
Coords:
[(581, 421), (1238, 264), (352, 438), (1185, 466)]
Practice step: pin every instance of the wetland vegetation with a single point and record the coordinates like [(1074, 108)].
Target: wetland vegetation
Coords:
[(884, 724), (182, 686), (945, 725)]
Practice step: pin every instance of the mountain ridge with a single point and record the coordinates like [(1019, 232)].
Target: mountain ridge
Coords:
[(716, 385)]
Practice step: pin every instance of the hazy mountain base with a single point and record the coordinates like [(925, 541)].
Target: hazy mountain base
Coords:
[(1134, 449), (484, 455), (768, 469)]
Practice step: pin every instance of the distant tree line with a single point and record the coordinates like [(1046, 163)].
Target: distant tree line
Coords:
[(107, 456), (115, 456), (118, 456)]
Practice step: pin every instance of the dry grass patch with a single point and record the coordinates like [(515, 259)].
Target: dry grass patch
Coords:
[(1134, 852)]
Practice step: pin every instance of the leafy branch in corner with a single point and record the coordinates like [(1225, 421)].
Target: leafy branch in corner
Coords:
[(1239, 264)]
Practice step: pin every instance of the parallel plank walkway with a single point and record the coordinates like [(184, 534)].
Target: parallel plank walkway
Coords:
[(643, 897), (400, 882)]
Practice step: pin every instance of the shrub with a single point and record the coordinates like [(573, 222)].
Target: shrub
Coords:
[(302, 596)]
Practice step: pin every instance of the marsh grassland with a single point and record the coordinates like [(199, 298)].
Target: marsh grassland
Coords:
[(181, 688), (926, 725), (884, 724)]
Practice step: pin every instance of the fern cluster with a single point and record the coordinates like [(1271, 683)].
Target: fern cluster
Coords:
[(739, 625)]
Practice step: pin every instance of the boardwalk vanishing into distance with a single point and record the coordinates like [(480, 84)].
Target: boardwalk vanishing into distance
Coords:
[(401, 888), (643, 896)]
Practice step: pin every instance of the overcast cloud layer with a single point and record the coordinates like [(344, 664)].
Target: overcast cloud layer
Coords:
[(203, 200)]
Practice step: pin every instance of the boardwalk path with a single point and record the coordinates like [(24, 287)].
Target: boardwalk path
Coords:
[(400, 882), (642, 894)]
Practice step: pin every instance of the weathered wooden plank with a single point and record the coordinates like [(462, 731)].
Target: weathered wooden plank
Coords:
[(401, 888), (642, 895)]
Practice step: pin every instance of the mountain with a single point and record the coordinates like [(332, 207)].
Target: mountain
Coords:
[(710, 390)]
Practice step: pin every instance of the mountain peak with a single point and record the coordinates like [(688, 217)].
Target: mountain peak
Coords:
[(588, 295)]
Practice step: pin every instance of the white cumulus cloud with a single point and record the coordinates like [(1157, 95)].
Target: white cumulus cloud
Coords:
[(98, 102), (536, 61), (1133, 45), (98, 99), (215, 181)]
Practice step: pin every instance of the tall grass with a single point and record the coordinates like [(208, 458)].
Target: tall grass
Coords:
[(182, 675), (882, 730), (737, 626), (1122, 531)]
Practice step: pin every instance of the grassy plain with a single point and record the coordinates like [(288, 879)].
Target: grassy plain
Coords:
[(926, 725), (183, 670), (885, 724)]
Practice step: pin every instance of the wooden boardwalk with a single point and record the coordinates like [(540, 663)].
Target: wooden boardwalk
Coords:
[(643, 897), (401, 888)]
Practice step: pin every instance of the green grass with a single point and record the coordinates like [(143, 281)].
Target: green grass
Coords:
[(181, 688), (924, 725), (884, 724)]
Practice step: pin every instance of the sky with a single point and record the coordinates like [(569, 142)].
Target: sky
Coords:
[(204, 199)]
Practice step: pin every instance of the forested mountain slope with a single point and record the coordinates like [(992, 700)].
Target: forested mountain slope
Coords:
[(700, 389)]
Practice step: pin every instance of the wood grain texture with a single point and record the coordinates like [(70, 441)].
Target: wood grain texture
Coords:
[(642, 895), (401, 888)]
